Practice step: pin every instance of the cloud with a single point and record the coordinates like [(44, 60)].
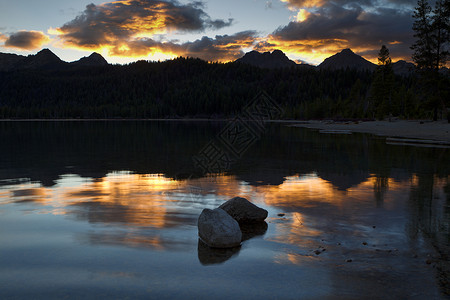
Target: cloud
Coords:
[(294, 4), (318, 33), (120, 24), (26, 40), (220, 48)]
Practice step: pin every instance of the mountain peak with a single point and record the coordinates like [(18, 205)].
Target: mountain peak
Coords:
[(94, 59), (276, 59), (47, 54), (43, 59), (347, 59), (347, 51)]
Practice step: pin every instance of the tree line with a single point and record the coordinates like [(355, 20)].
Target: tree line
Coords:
[(192, 88), (188, 87)]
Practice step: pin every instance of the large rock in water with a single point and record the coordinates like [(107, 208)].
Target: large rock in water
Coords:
[(243, 210), (218, 229)]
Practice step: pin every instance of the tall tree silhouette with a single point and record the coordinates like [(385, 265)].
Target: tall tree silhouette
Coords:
[(431, 27), (383, 82)]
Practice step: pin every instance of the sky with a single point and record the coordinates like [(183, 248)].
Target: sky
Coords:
[(123, 31)]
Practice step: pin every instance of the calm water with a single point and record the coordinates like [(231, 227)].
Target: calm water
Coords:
[(109, 210)]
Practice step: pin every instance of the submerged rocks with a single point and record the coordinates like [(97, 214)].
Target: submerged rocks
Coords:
[(244, 211), (218, 229), (222, 227)]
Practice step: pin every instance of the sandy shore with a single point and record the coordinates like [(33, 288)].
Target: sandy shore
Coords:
[(436, 131)]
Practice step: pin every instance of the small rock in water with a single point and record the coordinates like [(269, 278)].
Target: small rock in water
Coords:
[(280, 215), (364, 243), (218, 229), (349, 260), (243, 210)]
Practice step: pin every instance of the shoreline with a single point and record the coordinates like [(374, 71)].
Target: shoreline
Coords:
[(430, 132), (421, 132)]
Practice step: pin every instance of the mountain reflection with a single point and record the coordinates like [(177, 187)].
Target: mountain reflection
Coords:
[(151, 202), (328, 186)]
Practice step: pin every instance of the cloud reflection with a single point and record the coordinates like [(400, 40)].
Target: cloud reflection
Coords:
[(151, 210)]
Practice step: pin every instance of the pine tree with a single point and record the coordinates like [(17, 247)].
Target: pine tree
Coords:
[(423, 31), (431, 51), (382, 85), (440, 32)]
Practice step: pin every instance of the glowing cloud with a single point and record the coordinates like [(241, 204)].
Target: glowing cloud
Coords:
[(26, 40), (302, 15), (221, 48), (328, 28), (124, 27)]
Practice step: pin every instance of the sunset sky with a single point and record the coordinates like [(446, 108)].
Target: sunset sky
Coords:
[(214, 30)]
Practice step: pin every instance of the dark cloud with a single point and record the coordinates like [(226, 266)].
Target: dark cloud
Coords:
[(123, 21), (335, 27), (26, 40), (220, 48), (348, 3)]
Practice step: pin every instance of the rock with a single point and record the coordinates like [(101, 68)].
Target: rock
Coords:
[(211, 256), (251, 230), (243, 210), (218, 229)]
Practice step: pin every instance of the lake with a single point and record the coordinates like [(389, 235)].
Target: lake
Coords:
[(108, 209)]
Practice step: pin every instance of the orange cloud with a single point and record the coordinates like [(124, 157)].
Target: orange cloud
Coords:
[(26, 40), (125, 27), (220, 48), (328, 28)]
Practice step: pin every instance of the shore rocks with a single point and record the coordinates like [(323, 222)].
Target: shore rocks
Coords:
[(223, 227), (218, 229), (244, 211)]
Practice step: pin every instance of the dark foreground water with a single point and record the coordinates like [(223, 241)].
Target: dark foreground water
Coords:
[(93, 210)]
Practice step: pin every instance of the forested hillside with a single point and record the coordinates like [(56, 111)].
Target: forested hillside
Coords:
[(187, 87)]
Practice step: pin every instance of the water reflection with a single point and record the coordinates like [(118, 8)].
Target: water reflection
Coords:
[(331, 200), (149, 203)]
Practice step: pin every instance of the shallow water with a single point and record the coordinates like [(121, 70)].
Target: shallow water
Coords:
[(109, 209)]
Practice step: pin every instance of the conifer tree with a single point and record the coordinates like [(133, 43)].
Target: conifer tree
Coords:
[(431, 51), (423, 46), (382, 85)]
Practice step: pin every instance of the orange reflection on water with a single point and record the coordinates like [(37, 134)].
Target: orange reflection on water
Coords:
[(157, 202), (123, 197)]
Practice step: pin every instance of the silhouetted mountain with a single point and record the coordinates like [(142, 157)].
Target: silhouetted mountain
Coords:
[(347, 59), (276, 59), (94, 59), (403, 68), (44, 59), (9, 61)]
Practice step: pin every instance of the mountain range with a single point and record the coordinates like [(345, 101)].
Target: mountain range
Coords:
[(342, 60), (46, 59)]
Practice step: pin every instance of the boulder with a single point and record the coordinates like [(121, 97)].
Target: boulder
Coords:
[(218, 229), (212, 256), (243, 210)]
